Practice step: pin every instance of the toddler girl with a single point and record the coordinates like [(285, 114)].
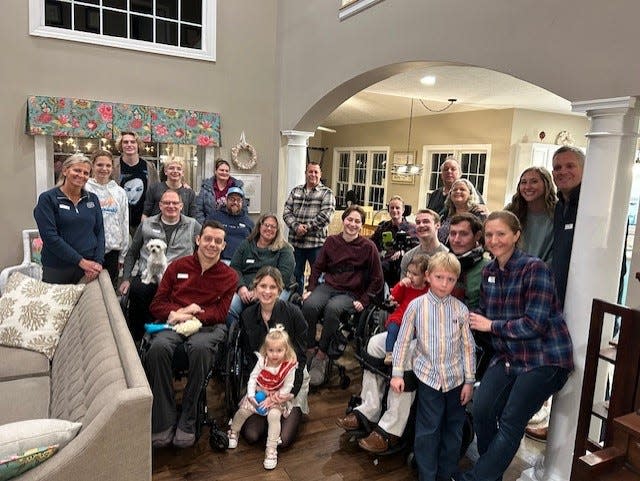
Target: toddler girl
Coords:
[(274, 375)]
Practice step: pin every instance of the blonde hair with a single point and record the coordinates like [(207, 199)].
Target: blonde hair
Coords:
[(444, 261), (472, 202), (173, 160), (278, 242), (279, 335), (72, 160)]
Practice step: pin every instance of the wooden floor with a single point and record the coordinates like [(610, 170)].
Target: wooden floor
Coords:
[(322, 451)]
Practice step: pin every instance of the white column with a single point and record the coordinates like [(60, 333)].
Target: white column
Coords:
[(296, 157), (596, 256)]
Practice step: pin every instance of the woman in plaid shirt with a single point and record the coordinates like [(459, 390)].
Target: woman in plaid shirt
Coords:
[(533, 352)]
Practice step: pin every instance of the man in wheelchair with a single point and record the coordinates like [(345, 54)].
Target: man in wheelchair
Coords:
[(198, 286)]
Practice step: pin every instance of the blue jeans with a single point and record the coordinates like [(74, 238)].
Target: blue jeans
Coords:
[(502, 406), (392, 334), (439, 422), (301, 256)]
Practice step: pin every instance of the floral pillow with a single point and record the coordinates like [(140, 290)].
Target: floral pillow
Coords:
[(34, 313), (15, 465)]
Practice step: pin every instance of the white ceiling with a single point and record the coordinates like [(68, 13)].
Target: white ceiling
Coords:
[(474, 88)]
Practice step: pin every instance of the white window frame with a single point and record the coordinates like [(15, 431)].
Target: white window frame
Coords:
[(457, 150), (38, 28), (370, 150)]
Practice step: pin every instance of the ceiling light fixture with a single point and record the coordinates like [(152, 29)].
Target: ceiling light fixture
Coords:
[(325, 129), (428, 80), (451, 102), (408, 169)]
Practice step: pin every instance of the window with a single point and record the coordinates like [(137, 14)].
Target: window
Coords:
[(362, 170), (183, 28), (473, 159)]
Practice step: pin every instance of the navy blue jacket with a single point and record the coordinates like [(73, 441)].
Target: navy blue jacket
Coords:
[(69, 232), (237, 228), (564, 224)]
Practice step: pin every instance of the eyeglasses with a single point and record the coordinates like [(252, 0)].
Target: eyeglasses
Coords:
[(235, 199), (270, 226), (164, 202)]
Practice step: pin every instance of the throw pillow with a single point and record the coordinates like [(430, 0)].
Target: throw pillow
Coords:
[(18, 464), (22, 436), (34, 313)]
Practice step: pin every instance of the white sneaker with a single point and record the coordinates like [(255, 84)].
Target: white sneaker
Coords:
[(270, 458), (233, 439)]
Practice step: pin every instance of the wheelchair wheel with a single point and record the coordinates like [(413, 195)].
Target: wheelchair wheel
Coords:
[(371, 323), (218, 440), (235, 371)]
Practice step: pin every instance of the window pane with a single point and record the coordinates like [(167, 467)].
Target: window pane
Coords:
[(122, 4), (483, 161), (167, 9), (114, 23), (474, 163), (190, 36), (95, 2), (166, 32), (191, 11), (142, 6), (141, 28), (87, 19), (57, 14)]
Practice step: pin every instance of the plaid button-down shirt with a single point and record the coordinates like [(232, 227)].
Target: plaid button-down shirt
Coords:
[(529, 329), (312, 207)]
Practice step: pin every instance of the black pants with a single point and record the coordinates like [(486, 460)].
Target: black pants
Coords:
[(140, 297), (111, 265), (68, 275)]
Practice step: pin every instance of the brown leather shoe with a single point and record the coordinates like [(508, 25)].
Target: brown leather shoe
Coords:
[(537, 434), (349, 423), (376, 442)]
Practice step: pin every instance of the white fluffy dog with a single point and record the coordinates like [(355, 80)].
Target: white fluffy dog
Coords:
[(156, 263)]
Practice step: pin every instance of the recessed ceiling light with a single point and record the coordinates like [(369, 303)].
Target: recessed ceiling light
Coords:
[(428, 80)]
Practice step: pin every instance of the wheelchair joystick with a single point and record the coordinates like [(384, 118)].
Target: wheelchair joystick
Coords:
[(261, 396)]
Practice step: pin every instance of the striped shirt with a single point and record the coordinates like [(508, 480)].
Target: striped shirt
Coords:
[(313, 207), (444, 356)]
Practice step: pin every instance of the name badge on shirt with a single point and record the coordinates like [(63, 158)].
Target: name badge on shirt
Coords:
[(240, 224), (568, 227), (157, 231), (250, 261), (491, 280), (90, 205), (182, 275), (65, 207)]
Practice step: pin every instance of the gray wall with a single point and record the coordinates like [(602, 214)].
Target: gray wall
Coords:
[(241, 86), (578, 49)]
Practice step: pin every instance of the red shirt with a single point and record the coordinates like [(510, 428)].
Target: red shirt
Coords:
[(403, 295), (184, 283)]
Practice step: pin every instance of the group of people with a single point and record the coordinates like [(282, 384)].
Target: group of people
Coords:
[(510, 305), (223, 269)]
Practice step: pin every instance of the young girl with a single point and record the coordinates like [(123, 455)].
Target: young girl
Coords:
[(403, 294), (273, 375)]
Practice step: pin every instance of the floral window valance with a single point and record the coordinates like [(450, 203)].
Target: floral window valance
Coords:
[(69, 117)]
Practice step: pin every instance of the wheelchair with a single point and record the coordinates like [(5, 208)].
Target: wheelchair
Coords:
[(356, 328), (218, 440), (237, 367)]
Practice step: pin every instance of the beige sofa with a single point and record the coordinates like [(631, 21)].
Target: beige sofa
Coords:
[(96, 379)]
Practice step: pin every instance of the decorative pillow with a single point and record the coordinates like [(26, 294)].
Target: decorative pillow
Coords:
[(18, 464), (22, 436), (34, 313)]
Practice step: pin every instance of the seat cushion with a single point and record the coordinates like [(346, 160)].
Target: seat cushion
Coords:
[(18, 363)]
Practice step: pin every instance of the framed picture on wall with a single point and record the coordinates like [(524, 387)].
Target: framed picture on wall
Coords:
[(400, 160)]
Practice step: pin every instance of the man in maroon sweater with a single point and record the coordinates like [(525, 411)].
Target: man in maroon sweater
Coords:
[(195, 286)]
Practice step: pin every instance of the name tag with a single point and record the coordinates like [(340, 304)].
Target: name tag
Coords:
[(90, 205), (568, 227), (157, 231), (250, 261), (491, 280), (182, 275), (240, 224), (65, 207)]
